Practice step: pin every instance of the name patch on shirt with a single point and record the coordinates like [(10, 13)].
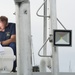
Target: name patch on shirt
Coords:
[(8, 34)]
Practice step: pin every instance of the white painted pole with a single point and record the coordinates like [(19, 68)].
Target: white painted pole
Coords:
[(45, 28), (25, 40), (23, 34), (45, 33), (55, 62)]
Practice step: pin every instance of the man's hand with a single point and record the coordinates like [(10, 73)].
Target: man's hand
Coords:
[(7, 42)]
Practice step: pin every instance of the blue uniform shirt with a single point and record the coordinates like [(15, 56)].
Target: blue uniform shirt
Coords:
[(9, 30)]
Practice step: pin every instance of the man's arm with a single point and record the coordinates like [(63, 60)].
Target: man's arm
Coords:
[(7, 42)]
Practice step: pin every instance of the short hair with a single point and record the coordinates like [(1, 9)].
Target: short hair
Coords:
[(4, 19)]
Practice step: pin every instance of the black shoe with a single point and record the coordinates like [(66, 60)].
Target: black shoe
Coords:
[(14, 70)]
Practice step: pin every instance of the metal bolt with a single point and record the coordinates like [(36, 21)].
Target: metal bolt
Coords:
[(25, 12)]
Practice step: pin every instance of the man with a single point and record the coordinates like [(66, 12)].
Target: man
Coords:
[(8, 36)]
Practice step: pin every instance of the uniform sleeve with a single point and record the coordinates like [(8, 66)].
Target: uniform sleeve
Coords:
[(13, 29)]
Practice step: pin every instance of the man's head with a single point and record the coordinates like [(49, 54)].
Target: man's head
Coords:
[(3, 22)]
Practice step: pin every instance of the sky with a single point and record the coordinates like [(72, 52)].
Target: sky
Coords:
[(65, 13)]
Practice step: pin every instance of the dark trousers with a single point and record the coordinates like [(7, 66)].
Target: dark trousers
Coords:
[(13, 46)]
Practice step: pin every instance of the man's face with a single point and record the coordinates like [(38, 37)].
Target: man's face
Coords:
[(2, 26)]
